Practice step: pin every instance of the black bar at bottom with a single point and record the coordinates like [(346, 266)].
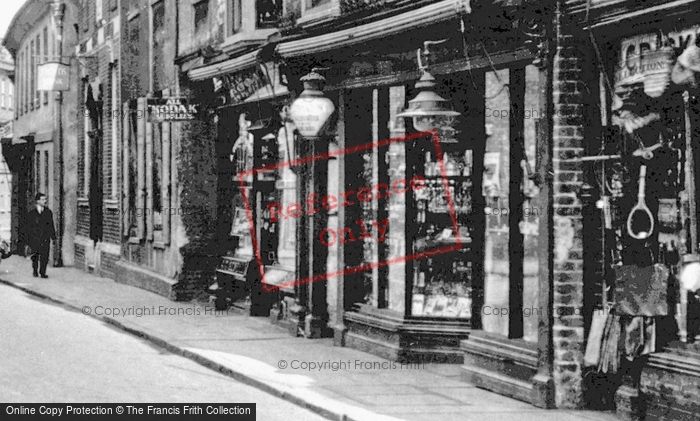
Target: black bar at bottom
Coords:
[(124, 411)]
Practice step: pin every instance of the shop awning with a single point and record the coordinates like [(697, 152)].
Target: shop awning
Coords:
[(414, 19), (229, 66), (272, 90)]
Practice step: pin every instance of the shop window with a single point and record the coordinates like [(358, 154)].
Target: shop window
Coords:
[(287, 182), (670, 124), (495, 188), (532, 208), (512, 209), (396, 240), (242, 159)]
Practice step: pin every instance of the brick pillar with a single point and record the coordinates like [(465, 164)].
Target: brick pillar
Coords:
[(570, 98)]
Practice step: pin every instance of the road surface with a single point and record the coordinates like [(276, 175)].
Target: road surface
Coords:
[(50, 353)]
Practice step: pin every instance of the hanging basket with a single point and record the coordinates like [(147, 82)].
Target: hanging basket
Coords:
[(656, 67)]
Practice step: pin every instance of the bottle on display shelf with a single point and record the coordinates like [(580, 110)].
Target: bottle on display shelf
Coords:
[(468, 163), (428, 165), (450, 166)]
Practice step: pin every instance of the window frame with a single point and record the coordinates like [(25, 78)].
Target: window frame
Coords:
[(201, 25)]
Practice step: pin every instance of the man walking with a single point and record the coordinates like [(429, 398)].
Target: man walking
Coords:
[(40, 231)]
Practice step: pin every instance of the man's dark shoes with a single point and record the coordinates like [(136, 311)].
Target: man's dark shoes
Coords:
[(44, 276), (36, 275)]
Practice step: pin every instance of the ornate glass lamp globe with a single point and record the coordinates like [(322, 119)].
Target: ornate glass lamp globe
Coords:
[(311, 110), (429, 112), (690, 273)]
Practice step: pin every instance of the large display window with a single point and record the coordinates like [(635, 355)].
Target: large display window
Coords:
[(512, 203), (442, 285), (417, 282)]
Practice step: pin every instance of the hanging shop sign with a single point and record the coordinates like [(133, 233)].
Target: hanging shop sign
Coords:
[(6, 131), (170, 109), (648, 59), (53, 76), (237, 87)]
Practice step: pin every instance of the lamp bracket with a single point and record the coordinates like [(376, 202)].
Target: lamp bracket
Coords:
[(426, 52)]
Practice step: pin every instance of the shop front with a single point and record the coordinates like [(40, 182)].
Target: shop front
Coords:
[(432, 258), (253, 132), (640, 216)]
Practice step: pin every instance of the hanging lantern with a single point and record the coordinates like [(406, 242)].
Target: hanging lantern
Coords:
[(690, 274), (429, 112), (311, 110)]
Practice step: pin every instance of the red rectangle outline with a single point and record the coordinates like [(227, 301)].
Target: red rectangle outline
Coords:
[(359, 148)]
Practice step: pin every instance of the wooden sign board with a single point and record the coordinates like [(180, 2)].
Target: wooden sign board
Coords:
[(53, 76), (170, 109)]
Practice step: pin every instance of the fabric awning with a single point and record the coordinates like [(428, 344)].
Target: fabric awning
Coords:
[(414, 19), (228, 66)]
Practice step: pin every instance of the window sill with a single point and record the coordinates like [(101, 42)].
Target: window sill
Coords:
[(241, 41), (111, 203)]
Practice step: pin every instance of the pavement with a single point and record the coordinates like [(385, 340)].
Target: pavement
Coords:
[(337, 383)]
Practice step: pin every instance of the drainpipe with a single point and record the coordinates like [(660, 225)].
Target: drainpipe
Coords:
[(58, 11)]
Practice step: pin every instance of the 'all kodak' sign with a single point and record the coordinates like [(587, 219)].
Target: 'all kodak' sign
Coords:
[(170, 109)]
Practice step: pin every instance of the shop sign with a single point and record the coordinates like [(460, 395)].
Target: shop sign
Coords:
[(237, 87), (53, 76), (170, 109), (644, 59), (6, 131)]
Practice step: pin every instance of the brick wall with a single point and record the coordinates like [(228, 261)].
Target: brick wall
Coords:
[(79, 256), (99, 69), (108, 261), (569, 98), (83, 221), (112, 228)]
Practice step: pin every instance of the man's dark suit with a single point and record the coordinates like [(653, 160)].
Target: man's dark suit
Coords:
[(40, 232)]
